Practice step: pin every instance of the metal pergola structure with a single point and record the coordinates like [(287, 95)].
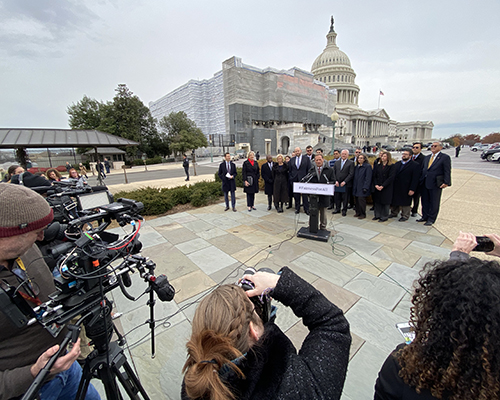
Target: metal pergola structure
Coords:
[(17, 138)]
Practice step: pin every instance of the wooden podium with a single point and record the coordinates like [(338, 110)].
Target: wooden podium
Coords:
[(314, 190)]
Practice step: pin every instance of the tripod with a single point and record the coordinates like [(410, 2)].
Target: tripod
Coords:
[(107, 360), (96, 365)]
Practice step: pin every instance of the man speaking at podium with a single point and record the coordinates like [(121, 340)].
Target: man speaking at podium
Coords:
[(321, 173)]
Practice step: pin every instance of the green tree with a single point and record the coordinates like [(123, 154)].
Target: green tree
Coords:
[(181, 133), (86, 114), (126, 116), (492, 138)]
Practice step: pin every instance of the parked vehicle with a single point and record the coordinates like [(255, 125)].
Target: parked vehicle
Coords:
[(495, 157), (241, 153), (388, 147), (487, 154), (479, 146)]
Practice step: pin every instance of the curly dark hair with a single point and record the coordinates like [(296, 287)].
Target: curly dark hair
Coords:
[(456, 315)]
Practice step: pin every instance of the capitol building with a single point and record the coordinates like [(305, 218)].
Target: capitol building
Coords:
[(273, 111), (357, 126)]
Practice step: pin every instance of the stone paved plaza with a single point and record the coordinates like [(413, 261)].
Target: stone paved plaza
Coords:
[(367, 269)]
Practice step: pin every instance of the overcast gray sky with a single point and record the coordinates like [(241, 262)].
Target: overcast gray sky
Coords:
[(434, 60)]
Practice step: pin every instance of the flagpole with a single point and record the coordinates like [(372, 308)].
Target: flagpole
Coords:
[(379, 91)]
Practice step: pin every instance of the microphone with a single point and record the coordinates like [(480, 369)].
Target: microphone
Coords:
[(308, 177)]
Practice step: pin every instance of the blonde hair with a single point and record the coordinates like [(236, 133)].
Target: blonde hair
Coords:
[(221, 333), (282, 158)]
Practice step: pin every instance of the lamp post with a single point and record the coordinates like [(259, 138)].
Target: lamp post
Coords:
[(211, 151), (334, 117)]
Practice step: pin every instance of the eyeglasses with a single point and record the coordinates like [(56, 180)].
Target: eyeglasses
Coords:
[(416, 147)]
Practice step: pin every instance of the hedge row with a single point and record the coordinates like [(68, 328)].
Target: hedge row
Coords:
[(158, 201)]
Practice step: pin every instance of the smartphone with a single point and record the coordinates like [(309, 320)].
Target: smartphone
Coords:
[(406, 331), (484, 244)]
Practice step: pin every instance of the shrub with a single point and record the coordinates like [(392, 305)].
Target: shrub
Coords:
[(159, 201)]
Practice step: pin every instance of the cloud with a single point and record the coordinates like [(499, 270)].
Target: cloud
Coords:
[(31, 29)]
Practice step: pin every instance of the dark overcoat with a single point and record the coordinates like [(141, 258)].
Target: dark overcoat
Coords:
[(324, 201), (383, 176), (406, 179), (253, 171), (274, 370), (228, 185), (280, 176), (267, 175), (362, 180)]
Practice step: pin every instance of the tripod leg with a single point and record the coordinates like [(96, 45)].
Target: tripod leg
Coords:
[(84, 382), (131, 380)]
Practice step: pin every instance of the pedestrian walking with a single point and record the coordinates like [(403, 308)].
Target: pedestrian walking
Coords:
[(185, 164)]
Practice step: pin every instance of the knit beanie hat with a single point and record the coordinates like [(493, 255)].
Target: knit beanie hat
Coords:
[(22, 210)]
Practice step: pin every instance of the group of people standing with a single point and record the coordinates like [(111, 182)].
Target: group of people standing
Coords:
[(396, 187)]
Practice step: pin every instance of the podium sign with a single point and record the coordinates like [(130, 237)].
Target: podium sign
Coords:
[(319, 189)]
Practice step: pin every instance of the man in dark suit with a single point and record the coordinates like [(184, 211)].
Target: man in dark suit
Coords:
[(405, 185), (266, 171), (418, 157), (344, 174), (336, 156), (436, 175), (299, 167), (227, 173), (322, 174)]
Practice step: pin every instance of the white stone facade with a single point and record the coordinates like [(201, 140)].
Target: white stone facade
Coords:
[(355, 125)]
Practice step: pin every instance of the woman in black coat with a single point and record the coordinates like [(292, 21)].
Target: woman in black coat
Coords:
[(251, 175), (382, 186), (233, 353), (280, 190), (362, 185)]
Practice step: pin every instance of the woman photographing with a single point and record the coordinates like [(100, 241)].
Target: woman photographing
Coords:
[(456, 319), (232, 354)]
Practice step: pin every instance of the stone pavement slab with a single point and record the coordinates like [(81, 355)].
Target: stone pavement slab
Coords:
[(400, 275), (211, 259), (375, 324), (362, 372), (331, 270), (376, 290)]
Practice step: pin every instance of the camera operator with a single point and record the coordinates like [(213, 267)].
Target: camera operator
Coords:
[(24, 215), (233, 354), (456, 317)]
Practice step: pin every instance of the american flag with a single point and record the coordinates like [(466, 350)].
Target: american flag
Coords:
[(381, 93)]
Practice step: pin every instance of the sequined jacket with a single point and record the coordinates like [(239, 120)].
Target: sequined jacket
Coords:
[(273, 368)]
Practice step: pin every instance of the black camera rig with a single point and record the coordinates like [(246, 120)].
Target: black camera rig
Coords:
[(88, 264)]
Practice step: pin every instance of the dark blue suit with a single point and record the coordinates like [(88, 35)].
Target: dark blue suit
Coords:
[(296, 174), (228, 185), (431, 179)]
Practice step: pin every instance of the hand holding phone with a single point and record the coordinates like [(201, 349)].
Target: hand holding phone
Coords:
[(484, 244)]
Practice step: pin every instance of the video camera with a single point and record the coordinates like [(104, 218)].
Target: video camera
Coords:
[(84, 269)]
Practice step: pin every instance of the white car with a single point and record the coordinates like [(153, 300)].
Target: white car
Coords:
[(495, 157)]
